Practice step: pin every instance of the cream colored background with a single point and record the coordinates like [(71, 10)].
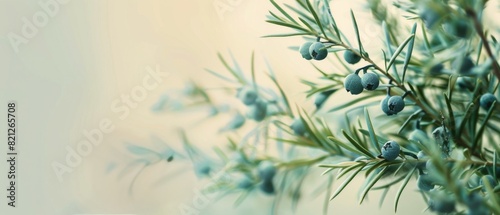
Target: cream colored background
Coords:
[(65, 79)]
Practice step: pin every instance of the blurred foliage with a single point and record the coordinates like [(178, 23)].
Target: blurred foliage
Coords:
[(434, 64)]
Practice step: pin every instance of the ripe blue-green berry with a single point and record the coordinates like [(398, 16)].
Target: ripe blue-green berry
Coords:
[(267, 187), (418, 135), (465, 83), (370, 81), (384, 105), (421, 155), (351, 57), (463, 64), (436, 69), (318, 51), (390, 150), (486, 100), (429, 13), (244, 182), (202, 168), (322, 97), (298, 127), (247, 95), (474, 180), (425, 182), (441, 202), (458, 27), (237, 121), (475, 204), (352, 84), (258, 110), (266, 170), (396, 104), (488, 179), (304, 50)]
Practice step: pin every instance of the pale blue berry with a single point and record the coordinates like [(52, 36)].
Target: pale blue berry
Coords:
[(322, 97), (298, 127), (247, 95), (396, 104), (441, 202), (304, 50), (258, 110), (352, 84), (390, 150), (384, 105), (425, 182), (465, 83), (488, 179), (267, 187), (235, 123), (266, 170), (370, 81), (202, 168), (244, 182), (351, 57), (418, 135), (318, 51), (463, 64), (486, 100)]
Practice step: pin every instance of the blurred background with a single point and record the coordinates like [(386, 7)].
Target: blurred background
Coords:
[(90, 55)]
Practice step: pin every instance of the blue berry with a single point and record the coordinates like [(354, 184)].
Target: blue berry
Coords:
[(244, 182), (425, 182), (202, 168), (459, 28), (370, 81), (396, 104), (352, 84), (267, 187), (237, 121), (298, 127), (491, 181), (441, 202), (390, 150), (247, 95), (418, 135), (463, 65), (421, 155), (436, 69), (429, 14), (266, 170), (318, 51), (258, 110), (304, 50), (351, 57), (465, 83), (486, 100), (322, 97), (384, 105)]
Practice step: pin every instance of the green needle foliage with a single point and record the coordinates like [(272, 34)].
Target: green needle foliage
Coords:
[(422, 94)]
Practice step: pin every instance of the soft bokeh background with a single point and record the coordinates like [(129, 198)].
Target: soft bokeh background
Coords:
[(66, 78)]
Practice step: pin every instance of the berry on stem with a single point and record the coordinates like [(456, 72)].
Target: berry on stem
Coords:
[(298, 127), (247, 95), (266, 170), (486, 100), (390, 150), (304, 50), (396, 104), (258, 110), (352, 84), (351, 57), (370, 81), (384, 105), (318, 51)]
